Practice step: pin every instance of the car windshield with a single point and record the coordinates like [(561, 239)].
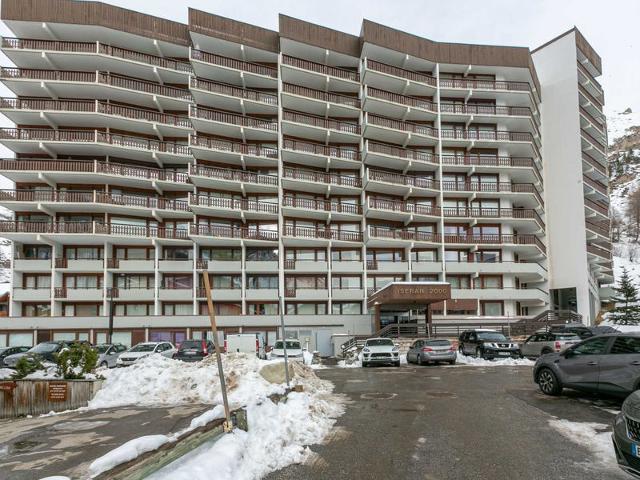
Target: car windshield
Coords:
[(45, 348), (290, 344), (191, 344), (143, 347), (438, 343), (492, 337), (380, 342), (101, 348)]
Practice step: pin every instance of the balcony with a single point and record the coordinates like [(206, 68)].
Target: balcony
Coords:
[(320, 208), (89, 294), (172, 265), (94, 114), (597, 254), (175, 294), (320, 129), (597, 207), (232, 207), (591, 144), (354, 266), (94, 55), (88, 172), (214, 149), (26, 82), (399, 132), (590, 122), (387, 267), (306, 235), (232, 98), (20, 294), (225, 235), (320, 182), (399, 210), (76, 201), (526, 295), (524, 270), (593, 187), (526, 192), (305, 266), (589, 103), (598, 230), (30, 265), (232, 71), (319, 76), (395, 105), (355, 294), (319, 102), (87, 265), (320, 155), (522, 167), (92, 142), (592, 167), (225, 124), (388, 156), (132, 293), (232, 180), (517, 217), (397, 184), (390, 78)]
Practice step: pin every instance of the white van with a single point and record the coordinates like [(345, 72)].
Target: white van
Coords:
[(245, 343)]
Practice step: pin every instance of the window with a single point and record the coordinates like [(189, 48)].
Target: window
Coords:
[(262, 254), (350, 255), (82, 309), (178, 282), (177, 308), (135, 281), (318, 282), (139, 309), (424, 256), (346, 308), (456, 256), (222, 308), (626, 345), (262, 309), (37, 282), (226, 282), (83, 281), (39, 252), (459, 281), (426, 278), (306, 254), (36, 310), (385, 255), (346, 282), (489, 281), (378, 281), (594, 346), (177, 253), (262, 282), (486, 230), (306, 308), (83, 253), (221, 254), (492, 309), (487, 256), (134, 253)]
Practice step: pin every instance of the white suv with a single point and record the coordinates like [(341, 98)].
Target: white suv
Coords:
[(381, 351)]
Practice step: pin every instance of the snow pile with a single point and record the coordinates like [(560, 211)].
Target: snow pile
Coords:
[(6, 373), (127, 451), (157, 380), (596, 437), (500, 362)]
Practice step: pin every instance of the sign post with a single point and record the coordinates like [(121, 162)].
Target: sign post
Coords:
[(228, 426), (284, 342)]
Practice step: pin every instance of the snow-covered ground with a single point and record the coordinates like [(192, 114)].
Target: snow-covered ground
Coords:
[(596, 437), (461, 360), (618, 122), (6, 373)]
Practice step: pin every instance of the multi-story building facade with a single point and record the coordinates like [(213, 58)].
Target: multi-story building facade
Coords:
[(305, 164)]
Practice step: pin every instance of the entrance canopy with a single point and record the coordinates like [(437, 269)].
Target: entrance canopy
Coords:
[(398, 295)]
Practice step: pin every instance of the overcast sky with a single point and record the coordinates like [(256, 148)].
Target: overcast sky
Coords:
[(610, 26)]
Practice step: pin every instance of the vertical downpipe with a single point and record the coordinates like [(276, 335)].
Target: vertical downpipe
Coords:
[(439, 126), (281, 252)]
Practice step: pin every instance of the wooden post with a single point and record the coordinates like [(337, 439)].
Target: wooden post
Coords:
[(429, 321), (212, 317)]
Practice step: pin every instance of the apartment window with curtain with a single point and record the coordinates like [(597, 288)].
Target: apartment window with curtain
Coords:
[(36, 281), (177, 253), (36, 310), (488, 281), (222, 308), (177, 281), (459, 281), (313, 282), (424, 255), (36, 252), (135, 281), (346, 282), (221, 254), (306, 254), (91, 281), (270, 308), (262, 254), (346, 255), (177, 309), (133, 309), (492, 308), (306, 308), (134, 253), (225, 282), (346, 308), (83, 253), (261, 282)]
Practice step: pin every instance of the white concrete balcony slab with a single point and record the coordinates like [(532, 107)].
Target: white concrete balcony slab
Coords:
[(255, 294), (347, 267), (387, 267), (355, 294), (426, 267), (261, 267), (175, 266), (175, 294), (133, 266), (82, 265), (31, 265), (222, 294), (305, 266), (130, 294), (80, 294), (31, 294), (307, 294), (224, 266)]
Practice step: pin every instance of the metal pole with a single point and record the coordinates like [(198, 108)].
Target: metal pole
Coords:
[(284, 342), (110, 336), (228, 426)]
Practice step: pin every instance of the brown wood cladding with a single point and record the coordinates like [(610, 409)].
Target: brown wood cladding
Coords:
[(96, 13), (233, 30), (442, 52), (317, 35)]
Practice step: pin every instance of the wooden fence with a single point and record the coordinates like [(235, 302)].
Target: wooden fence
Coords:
[(35, 397)]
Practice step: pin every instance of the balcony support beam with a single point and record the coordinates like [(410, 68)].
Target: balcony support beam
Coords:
[(44, 178), (47, 28), (47, 119), (46, 149), (46, 210)]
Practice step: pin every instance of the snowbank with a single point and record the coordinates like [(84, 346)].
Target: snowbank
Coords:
[(6, 373), (501, 362), (596, 437), (127, 451)]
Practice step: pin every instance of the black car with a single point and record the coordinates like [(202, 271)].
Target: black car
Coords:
[(45, 352), (194, 350), (487, 344), (6, 351), (626, 435)]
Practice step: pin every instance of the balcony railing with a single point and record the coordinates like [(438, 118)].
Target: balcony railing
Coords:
[(405, 153), (601, 228), (600, 252), (601, 188), (233, 204), (321, 122), (233, 91), (96, 47), (322, 233), (593, 163), (499, 85), (233, 232), (598, 207), (232, 175), (401, 72), (598, 144), (93, 136), (404, 207), (399, 179), (598, 124), (321, 205), (323, 150), (402, 99), (252, 149), (329, 97), (322, 177), (89, 106), (92, 228), (10, 164), (232, 118), (400, 125), (342, 73), (595, 101), (232, 63), (103, 78)]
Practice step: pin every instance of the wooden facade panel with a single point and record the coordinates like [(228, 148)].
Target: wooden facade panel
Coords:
[(588, 50), (233, 30), (98, 14), (319, 36)]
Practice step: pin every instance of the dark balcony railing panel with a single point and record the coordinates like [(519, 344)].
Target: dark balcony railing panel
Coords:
[(593, 163), (232, 63), (141, 172), (402, 99), (320, 68), (400, 179), (598, 207), (232, 175), (405, 153), (324, 150), (329, 97), (322, 233), (601, 228), (233, 232), (321, 122), (322, 177), (255, 150), (401, 72), (321, 205), (233, 91), (466, 83), (600, 187), (233, 204), (232, 119)]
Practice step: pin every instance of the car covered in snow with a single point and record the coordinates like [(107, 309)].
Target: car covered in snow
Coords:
[(142, 350), (487, 344), (7, 351), (294, 349), (44, 352), (108, 354), (380, 351)]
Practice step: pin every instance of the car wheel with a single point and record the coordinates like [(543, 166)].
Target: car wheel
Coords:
[(419, 360), (104, 365), (365, 364), (545, 351), (548, 382), (397, 364), (452, 362)]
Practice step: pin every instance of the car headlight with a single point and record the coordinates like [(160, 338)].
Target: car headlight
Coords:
[(366, 350), (487, 345), (395, 349)]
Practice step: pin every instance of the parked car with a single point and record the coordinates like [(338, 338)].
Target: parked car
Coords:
[(487, 344), (626, 435), (547, 342), (245, 343), (141, 350), (108, 354), (608, 364), (6, 351), (294, 349), (579, 329), (380, 351), (194, 350), (45, 352), (427, 350)]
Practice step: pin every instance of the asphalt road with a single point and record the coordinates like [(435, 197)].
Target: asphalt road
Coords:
[(462, 423)]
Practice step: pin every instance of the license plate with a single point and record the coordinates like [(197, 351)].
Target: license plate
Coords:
[(189, 353), (504, 354), (635, 449)]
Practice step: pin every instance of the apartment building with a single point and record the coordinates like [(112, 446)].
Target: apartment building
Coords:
[(304, 164)]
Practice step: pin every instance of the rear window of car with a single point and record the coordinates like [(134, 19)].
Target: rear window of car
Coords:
[(191, 344), (437, 343), (290, 344), (379, 343), (566, 336), (492, 336)]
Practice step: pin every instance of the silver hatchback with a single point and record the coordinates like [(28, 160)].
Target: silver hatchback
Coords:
[(542, 343), (430, 351), (608, 364)]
